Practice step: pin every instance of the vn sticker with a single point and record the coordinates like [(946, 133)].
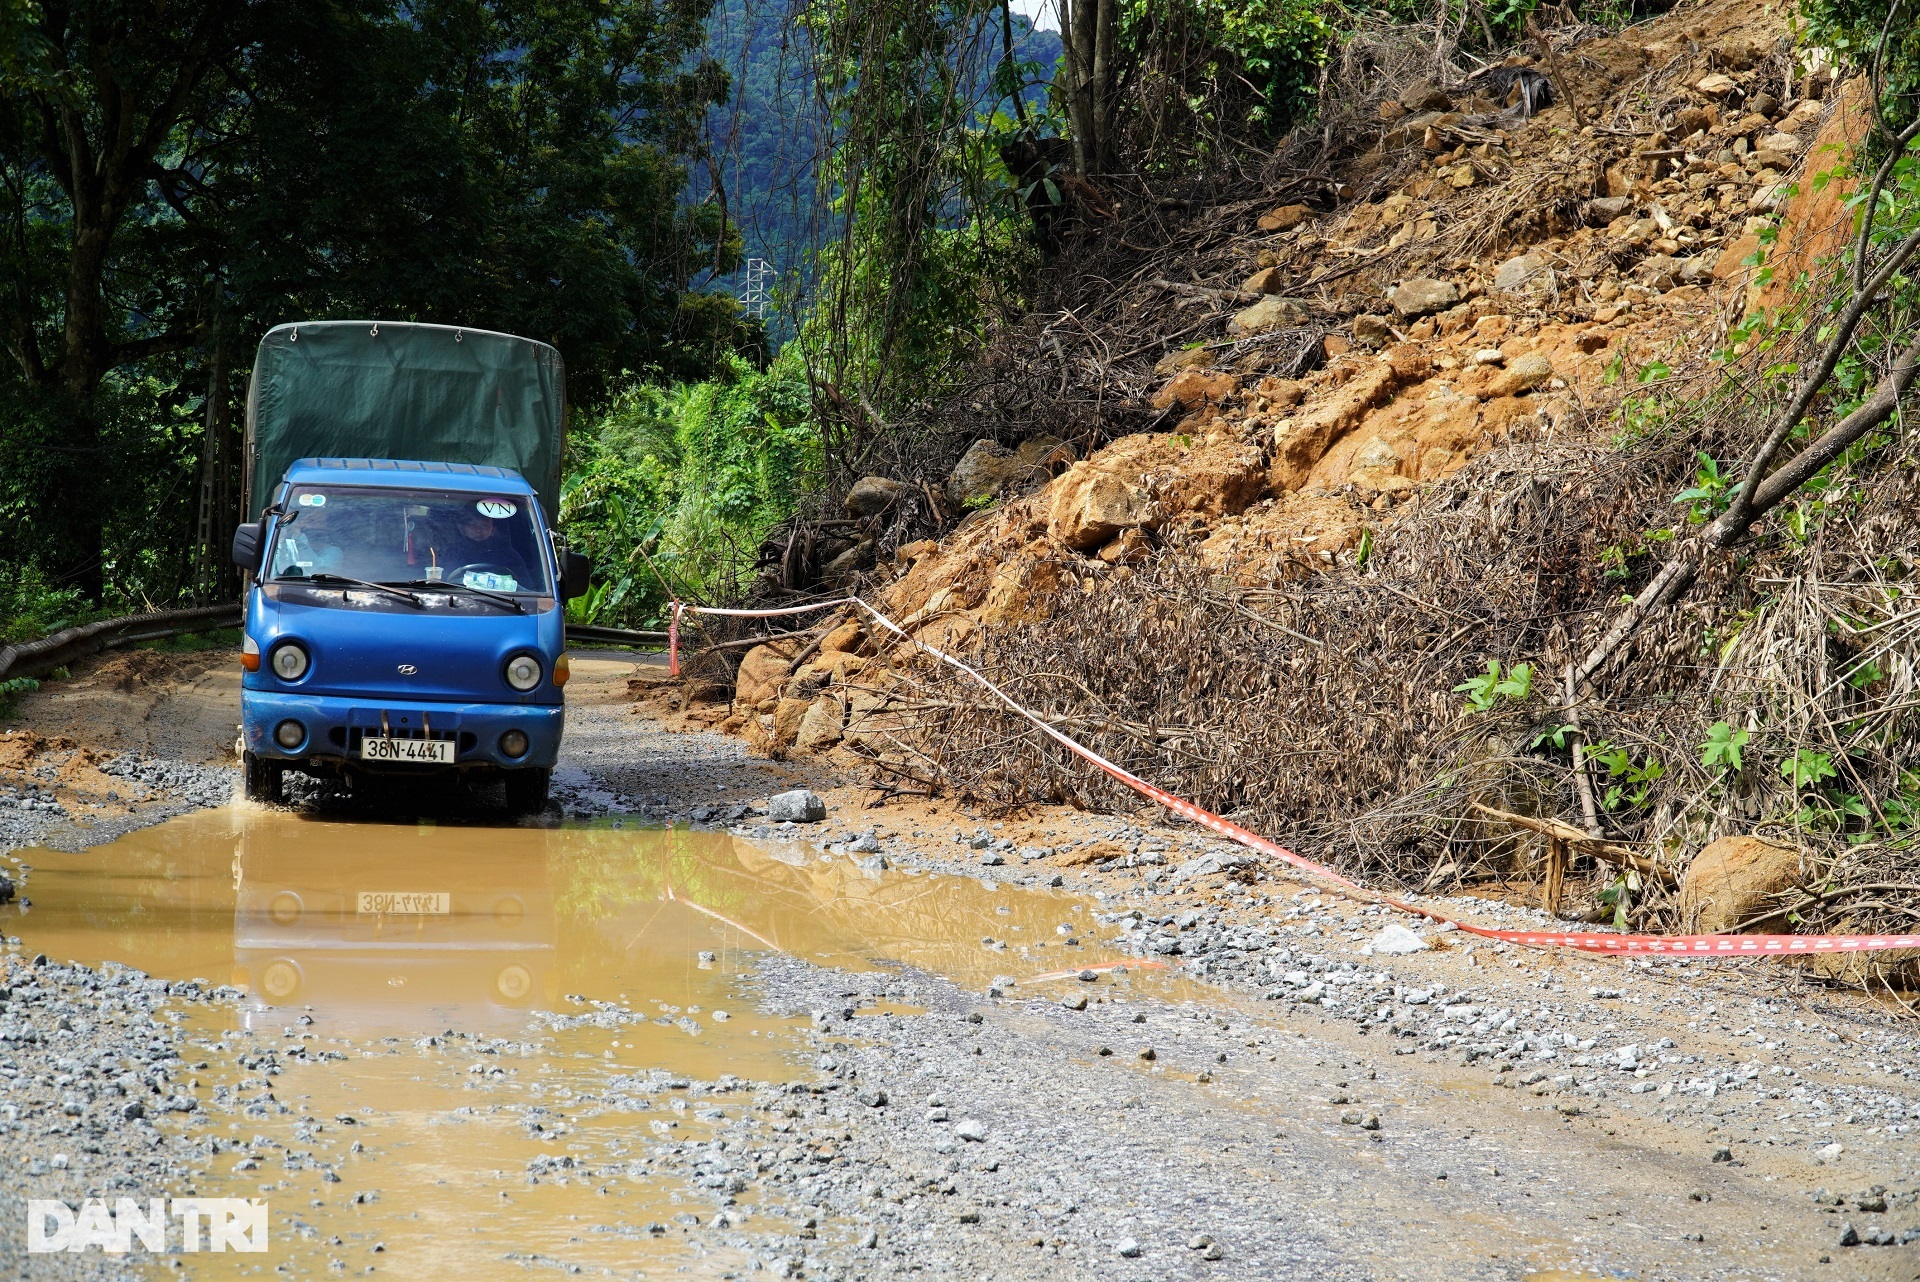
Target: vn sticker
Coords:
[(312, 500), (498, 509)]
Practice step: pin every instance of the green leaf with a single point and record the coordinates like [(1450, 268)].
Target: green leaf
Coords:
[(1804, 768), (1519, 682), (1723, 746), (1480, 690)]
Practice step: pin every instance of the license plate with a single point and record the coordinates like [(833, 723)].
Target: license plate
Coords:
[(426, 751), (413, 903)]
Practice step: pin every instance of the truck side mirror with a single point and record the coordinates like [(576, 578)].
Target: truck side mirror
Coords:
[(575, 569), (246, 545)]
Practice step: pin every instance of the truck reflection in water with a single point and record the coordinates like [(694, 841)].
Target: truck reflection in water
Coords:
[(358, 929)]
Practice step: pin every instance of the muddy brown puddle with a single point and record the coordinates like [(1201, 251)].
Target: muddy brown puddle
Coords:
[(458, 1045)]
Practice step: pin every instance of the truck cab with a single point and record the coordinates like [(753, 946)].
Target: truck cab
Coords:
[(404, 615)]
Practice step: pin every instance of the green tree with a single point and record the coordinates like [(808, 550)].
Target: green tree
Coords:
[(683, 481), (175, 178)]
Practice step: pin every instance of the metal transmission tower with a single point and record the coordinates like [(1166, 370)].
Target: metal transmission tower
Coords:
[(753, 294)]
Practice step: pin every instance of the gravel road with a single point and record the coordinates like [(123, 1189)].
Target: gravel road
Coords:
[(1282, 1102)]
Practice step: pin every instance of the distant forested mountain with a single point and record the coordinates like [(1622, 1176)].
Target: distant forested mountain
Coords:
[(765, 140)]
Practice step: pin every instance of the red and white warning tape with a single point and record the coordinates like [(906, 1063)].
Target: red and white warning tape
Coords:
[(1637, 945)]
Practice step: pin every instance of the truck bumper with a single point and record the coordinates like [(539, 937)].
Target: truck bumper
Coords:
[(333, 728)]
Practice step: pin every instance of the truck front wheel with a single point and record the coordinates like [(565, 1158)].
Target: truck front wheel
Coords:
[(264, 779), (527, 789)]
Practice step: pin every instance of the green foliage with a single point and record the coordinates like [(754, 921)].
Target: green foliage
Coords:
[(1807, 769), (766, 137), (514, 164), (1486, 690), (1204, 77), (1867, 675), (1616, 558), (10, 691), (1852, 30), (1723, 747), (1280, 46), (687, 479), (929, 241), (1618, 895), (30, 607), (1628, 782), (1902, 809), (1707, 497)]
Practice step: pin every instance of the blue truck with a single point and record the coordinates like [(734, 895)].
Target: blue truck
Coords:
[(405, 585)]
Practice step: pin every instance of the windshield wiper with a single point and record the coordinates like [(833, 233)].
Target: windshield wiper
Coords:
[(440, 584), (324, 577)]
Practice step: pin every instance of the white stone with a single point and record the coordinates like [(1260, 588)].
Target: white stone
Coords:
[(798, 806), (1396, 940)]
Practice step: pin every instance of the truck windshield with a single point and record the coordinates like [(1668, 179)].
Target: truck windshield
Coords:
[(485, 542)]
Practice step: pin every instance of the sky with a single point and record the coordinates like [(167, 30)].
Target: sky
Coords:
[(1043, 13)]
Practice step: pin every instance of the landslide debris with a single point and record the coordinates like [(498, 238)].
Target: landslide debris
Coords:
[(1410, 414)]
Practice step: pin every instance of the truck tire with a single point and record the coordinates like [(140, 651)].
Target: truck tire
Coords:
[(264, 779), (527, 789)]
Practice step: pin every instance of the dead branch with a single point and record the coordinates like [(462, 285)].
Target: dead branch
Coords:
[(1554, 830)]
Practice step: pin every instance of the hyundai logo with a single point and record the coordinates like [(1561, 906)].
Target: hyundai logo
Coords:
[(407, 669)]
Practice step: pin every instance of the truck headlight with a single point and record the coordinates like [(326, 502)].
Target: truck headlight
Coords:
[(290, 661), (523, 672), (513, 982)]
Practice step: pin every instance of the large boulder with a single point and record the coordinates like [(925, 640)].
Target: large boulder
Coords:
[(1285, 218), (820, 727), (1422, 296), (1424, 95), (1183, 358), (988, 467), (1194, 387), (1300, 441), (1602, 210), (1732, 878), (979, 473), (1268, 280), (787, 715), (761, 674), (799, 806), (848, 637), (1271, 312), (1523, 375), (1089, 507), (1520, 271), (848, 563), (1374, 331), (872, 495)]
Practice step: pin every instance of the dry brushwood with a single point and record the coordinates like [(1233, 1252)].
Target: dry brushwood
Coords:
[(1323, 710)]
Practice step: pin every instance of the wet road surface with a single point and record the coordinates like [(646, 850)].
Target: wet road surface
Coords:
[(488, 1051), (432, 1011)]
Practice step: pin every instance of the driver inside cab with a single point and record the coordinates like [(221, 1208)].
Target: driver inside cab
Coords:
[(310, 544), (474, 540)]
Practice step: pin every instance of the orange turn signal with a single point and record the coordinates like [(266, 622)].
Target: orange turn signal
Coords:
[(249, 653), (561, 670)]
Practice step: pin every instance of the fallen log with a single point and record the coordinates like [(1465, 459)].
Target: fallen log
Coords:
[(1555, 831)]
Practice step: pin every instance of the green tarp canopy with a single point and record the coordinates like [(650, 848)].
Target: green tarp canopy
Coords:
[(394, 390)]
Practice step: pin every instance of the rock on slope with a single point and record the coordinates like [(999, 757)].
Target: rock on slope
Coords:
[(1518, 275)]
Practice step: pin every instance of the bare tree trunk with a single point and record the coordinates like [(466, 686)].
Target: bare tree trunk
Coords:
[(216, 514), (1006, 54), (1102, 94), (1077, 22)]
